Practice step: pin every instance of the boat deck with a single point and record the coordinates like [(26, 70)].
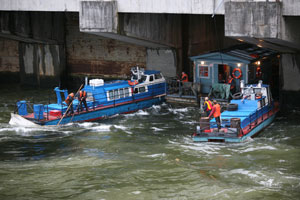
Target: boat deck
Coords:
[(231, 135)]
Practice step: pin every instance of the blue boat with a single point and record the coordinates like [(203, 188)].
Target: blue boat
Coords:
[(144, 89), (249, 113)]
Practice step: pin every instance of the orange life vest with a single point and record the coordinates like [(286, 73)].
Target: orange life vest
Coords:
[(184, 78), (217, 112), (258, 72), (69, 99), (229, 82), (82, 94), (209, 105)]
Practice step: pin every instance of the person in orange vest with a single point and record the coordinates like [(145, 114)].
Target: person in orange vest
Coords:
[(258, 72), (231, 82), (184, 77), (82, 99), (69, 101), (207, 106), (216, 112)]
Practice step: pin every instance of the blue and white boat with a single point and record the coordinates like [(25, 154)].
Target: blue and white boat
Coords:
[(245, 117), (146, 88)]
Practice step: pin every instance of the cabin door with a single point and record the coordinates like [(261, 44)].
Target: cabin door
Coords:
[(223, 73), (204, 77)]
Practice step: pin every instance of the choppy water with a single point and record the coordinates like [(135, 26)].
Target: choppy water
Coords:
[(145, 155)]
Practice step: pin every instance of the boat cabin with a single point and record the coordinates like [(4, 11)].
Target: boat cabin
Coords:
[(215, 68)]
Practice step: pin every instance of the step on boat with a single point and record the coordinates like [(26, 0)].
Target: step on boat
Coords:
[(252, 111), (144, 89)]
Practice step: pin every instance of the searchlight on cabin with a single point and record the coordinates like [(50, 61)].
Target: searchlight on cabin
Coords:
[(239, 64), (202, 62)]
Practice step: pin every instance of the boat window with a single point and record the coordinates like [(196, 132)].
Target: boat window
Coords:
[(134, 77), (116, 94), (121, 93), (158, 76), (142, 89), (111, 95), (143, 78), (126, 92), (151, 78), (89, 96), (203, 72), (136, 90)]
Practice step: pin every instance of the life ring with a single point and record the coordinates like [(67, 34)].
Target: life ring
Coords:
[(132, 82), (233, 73)]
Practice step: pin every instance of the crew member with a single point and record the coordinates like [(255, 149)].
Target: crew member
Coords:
[(231, 82), (184, 77), (216, 112), (69, 101), (207, 106), (82, 99)]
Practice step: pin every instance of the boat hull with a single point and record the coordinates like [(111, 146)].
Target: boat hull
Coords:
[(98, 113)]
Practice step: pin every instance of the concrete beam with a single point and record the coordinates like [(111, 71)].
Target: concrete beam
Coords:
[(154, 31), (261, 23), (33, 27), (125, 6), (207, 7)]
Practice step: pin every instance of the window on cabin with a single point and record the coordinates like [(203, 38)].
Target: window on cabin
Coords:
[(203, 72), (134, 77), (151, 78), (121, 91), (116, 94), (143, 78), (136, 90), (142, 89), (126, 92), (111, 95), (158, 76)]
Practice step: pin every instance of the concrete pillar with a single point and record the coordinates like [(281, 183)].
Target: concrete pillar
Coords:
[(41, 65), (98, 16), (163, 60), (290, 81)]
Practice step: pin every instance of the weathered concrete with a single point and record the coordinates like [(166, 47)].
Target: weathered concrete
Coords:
[(41, 65), (37, 27), (9, 56), (262, 23), (290, 72), (126, 6), (163, 60), (290, 7), (100, 18), (89, 54)]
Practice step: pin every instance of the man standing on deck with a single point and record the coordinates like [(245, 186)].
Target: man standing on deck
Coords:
[(207, 106), (69, 103), (231, 82), (216, 112), (184, 77), (82, 100)]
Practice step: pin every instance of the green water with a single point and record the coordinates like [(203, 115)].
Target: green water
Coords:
[(145, 155)]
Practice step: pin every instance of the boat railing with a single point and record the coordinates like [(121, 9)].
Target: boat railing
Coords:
[(259, 114)]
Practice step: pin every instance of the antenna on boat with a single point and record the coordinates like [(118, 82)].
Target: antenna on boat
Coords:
[(86, 80)]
